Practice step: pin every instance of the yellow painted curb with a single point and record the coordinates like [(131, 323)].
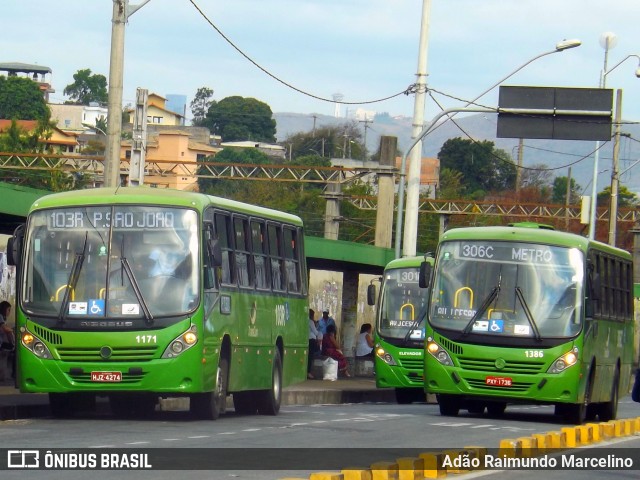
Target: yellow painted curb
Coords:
[(326, 476), (384, 471), (433, 465), (356, 474)]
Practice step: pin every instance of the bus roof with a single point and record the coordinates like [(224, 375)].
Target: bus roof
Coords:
[(528, 234), (153, 196), (408, 262)]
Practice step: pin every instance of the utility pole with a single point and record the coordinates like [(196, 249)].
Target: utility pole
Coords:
[(413, 177), (121, 13), (313, 132), (613, 205), (567, 202), (366, 125), (139, 139), (519, 167)]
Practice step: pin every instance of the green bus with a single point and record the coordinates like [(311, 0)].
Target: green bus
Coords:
[(399, 329), (136, 294), (527, 314)]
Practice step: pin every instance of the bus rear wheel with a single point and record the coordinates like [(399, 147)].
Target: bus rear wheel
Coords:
[(244, 403), (210, 405), (269, 400), (609, 410)]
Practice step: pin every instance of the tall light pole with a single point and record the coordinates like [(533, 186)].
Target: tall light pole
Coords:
[(608, 40), (411, 222), (121, 13), (613, 201), (413, 178)]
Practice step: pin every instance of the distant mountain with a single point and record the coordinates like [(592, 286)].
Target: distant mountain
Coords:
[(553, 153)]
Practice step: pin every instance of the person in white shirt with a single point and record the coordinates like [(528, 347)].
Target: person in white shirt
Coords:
[(364, 344)]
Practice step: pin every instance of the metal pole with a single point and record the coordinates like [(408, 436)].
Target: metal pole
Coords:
[(608, 39), (613, 205), (413, 177)]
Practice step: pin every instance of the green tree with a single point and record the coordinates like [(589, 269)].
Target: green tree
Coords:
[(626, 198), (200, 105), (484, 168), (559, 194), (87, 88), (21, 99), (238, 118), (330, 141)]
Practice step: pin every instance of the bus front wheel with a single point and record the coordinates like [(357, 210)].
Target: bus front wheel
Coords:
[(210, 405), (269, 400), (449, 405), (409, 395)]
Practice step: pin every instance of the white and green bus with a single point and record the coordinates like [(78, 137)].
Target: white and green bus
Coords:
[(136, 294), (399, 329), (526, 314)]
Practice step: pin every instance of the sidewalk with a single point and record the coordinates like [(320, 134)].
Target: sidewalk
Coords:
[(14, 405)]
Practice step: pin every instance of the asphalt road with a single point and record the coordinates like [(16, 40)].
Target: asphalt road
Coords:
[(300, 436)]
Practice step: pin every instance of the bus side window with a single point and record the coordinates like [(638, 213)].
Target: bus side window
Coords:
[(275, 253), (223, 230), (209, 261), (292, 265), (258, 247), (242, 252)]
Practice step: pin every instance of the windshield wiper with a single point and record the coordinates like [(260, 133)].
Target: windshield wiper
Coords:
[(528, 314), (416, 323), (493, 294), (124, 263), (72, 281)]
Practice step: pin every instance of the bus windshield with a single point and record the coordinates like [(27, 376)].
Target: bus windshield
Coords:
[(107, 262), (507, 289), (402, 303)]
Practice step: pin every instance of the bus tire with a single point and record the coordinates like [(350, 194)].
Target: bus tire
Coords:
[(496, 409), (244, 403), (209, 405), (449, 405), (61, 405), (609, 410), (576, 413), (269, 400), (405, 396)]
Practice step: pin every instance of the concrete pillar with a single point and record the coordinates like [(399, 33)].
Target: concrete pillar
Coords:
[(332, 194), (386, 190), (349, 333)]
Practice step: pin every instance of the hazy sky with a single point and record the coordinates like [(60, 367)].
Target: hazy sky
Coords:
[(364, 49)]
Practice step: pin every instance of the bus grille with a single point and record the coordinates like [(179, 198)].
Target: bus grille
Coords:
[(412, 363), (511, 366), (85, 377), (47, 335), (515, 387), (449, 345), (119, 354)]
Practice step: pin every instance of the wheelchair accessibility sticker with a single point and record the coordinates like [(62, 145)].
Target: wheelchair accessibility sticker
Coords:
[(96, 307), (496, 326)]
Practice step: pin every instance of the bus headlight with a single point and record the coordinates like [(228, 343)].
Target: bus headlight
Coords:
[(385, 356), (565, 361), (181, 343), (439, 353), (35, 345)]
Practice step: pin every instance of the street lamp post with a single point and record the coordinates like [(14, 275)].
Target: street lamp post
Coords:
[(411, 221)]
